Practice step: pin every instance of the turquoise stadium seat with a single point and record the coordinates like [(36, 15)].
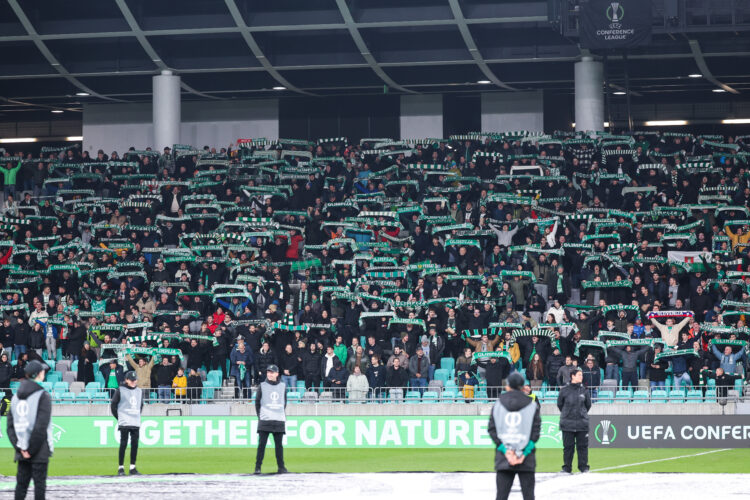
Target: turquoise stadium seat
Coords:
[(100, 398), (14, 385), (413, 397), (74, 366), (550, 396), (694, 396), (93, 387), (53, 377), (738, 386), (450, 394), (677, 396), (480, 396), (60, 387), (658, 396), (99, 378), (83, 397), (442, 374), (605, 396), (47, 386), (430, 397), (300, 386), (624, 395), (640, 397), (448, 364), (710, 395), (65, 397), (449, 384), (293, 397)]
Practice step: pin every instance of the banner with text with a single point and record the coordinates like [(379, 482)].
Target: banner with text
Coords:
[(301, 432), (669, 431), (614, 25)]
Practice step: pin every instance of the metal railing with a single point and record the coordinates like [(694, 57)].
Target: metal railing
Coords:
[(94, 393)]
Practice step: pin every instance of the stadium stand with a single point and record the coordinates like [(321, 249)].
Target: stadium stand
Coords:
[(436, 266)]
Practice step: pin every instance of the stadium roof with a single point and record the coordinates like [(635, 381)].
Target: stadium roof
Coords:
[(229, 49)]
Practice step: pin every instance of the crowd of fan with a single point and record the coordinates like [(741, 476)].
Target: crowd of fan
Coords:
[(361, 266)]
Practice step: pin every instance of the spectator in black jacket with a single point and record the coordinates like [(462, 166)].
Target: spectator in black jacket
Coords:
[(219, 352), (195, 385), (265, 358), (724, 381), (376, 377), (496, 371), (164, 374), (592, 378), (657, 370), (574, 403), (289, 365), (397, 375), (553, 365), (311, 360), (194, 353), (336, 379), (6, 371)]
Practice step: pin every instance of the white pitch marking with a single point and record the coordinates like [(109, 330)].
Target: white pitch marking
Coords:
[(660, 460)]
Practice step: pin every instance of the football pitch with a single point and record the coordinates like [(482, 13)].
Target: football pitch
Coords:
[(103, 462)]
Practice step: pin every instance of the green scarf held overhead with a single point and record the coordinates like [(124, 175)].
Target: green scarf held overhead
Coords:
[(482, 356), (560, 287)]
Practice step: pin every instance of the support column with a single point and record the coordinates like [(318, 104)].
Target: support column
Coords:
[(589, 99), (421, 116), (166, 110)]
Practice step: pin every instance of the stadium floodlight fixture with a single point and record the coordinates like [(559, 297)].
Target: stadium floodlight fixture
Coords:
[(606, 124), (665, 123), (82, 94), (57, 111), (695, 75), (483, 82), (279, 88), (74, 138), (718, 91), (12, 140), (735, 121), (620, 92)]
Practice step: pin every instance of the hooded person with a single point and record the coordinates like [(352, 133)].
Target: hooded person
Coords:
[(30, 430), (126, 406), (515, 427)]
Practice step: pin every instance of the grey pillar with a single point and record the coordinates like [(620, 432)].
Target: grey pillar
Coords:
[(166, 109), (589, 99)]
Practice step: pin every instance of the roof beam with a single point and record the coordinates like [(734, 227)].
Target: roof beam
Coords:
[(40, 45), (695, 48), (149, 49), (256, 50), (458, 15), (362, 47), (262, 29)]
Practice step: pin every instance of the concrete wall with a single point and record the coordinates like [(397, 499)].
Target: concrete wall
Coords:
[(421, 116), (504, 111), (116, 127)]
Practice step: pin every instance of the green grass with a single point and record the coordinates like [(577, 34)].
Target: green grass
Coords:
[(100, 461)]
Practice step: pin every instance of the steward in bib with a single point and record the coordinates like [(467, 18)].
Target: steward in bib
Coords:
[(30, 430), (515, 426), (270, 406), (126, 406)]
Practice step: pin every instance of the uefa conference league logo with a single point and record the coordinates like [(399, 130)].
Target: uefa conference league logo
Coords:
[(602, 432), (615, 13)]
